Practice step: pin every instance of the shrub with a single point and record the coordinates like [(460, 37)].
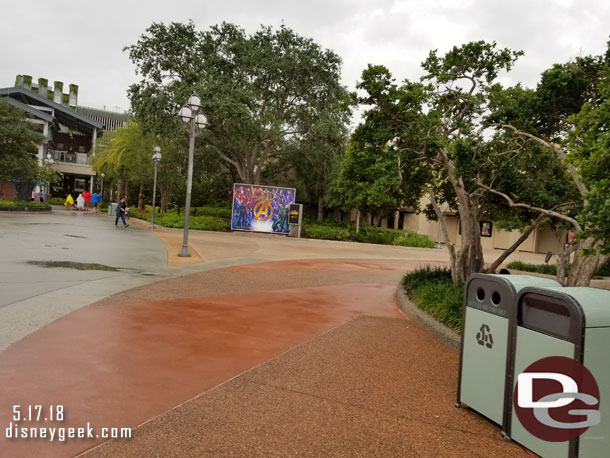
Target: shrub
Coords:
[(414, 239), (327, 232), (218, 212), (57, 200), (547, 269), (551, 269), (22, 204), (432, 290)]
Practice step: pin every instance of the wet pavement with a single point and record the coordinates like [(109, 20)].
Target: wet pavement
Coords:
[(32, 296), (307, 355), (137, 355)]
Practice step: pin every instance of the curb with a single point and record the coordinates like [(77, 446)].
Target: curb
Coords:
[(426, 321)]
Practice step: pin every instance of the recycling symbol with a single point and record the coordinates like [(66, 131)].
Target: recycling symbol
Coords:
[(484, 337)]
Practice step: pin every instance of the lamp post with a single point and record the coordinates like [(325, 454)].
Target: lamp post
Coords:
[(194, 121), (50, 162), (156, 157), (102, 186)]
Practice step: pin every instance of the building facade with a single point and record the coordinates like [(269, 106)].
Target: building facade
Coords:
[(71, 132)]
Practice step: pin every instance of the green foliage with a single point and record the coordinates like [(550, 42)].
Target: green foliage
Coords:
[(218, 212), (551, 269), (57, 200), (21, 204), (325, 232), (18, 146), (432, 290), (174, 220), (267, 95), (546, 269), (329, 230), (414, 239)]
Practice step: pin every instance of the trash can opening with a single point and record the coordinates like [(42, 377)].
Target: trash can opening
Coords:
[(480, 294), (496, 298)]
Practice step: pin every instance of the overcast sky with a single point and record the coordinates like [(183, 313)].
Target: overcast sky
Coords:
[(81, 41)]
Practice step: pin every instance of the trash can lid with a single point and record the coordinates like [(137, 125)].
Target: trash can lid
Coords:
[(595, 303), (519, 281)]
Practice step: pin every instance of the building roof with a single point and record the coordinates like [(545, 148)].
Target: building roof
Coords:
[(29, 109), (63, 114)]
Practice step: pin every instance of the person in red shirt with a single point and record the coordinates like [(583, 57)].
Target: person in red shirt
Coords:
[(87, 197)]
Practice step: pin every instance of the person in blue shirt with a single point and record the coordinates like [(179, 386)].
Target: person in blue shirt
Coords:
[(96, 198), (120, 212)]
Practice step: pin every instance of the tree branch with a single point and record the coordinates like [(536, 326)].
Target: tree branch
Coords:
[(544, 211)]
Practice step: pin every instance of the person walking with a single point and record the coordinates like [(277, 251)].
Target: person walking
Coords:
[(41, 195), (80, 203), (69, 202), (96, 198), (120, 212), (87, 198)]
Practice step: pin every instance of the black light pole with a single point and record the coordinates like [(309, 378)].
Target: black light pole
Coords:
[(194, 121), (156, 159)]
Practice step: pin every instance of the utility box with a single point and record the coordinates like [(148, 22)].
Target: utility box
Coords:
[(487, 330), (112, 208), (573, 323)]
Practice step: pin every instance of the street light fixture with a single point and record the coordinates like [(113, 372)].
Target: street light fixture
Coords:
[(156, 158), (102, 186), (194, 121), (50, 161)]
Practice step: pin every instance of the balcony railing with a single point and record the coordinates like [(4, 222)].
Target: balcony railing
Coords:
[(71, 157)]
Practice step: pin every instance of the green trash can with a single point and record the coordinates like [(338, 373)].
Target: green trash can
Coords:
[(573, 323), (112, 208), (487, 329)]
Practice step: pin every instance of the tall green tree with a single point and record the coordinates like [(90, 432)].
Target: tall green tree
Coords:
[(428, 139), (19, 146), (262, 93), (127, 154), (567, 117)]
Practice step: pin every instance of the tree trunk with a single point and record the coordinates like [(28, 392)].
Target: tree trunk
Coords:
[(586, 264), (358, 221), (120, 186), (126, 191), (141, 197), (320, 208), (165, 197), (510, 250), (469, 258), (396, 218)]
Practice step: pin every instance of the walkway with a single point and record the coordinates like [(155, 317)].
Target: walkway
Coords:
[(264, 348), (360, 379)]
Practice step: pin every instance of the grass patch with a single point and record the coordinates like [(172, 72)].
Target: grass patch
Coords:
[(73, 265), (432, 290)]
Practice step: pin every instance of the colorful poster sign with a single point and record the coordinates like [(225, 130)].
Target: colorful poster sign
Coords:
[(261, 208)]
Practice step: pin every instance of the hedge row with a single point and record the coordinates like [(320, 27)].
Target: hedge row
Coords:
[(22, 205), (550, 269), (367, 234)]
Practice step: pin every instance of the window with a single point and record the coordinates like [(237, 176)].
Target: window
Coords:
[(81, 149), (79, 184)]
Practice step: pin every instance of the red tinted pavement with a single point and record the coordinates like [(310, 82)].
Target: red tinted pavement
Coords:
[(122, 361)]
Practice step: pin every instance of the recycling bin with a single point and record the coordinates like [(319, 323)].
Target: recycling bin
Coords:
[(112, 208), (573, 323), (487, 329)]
